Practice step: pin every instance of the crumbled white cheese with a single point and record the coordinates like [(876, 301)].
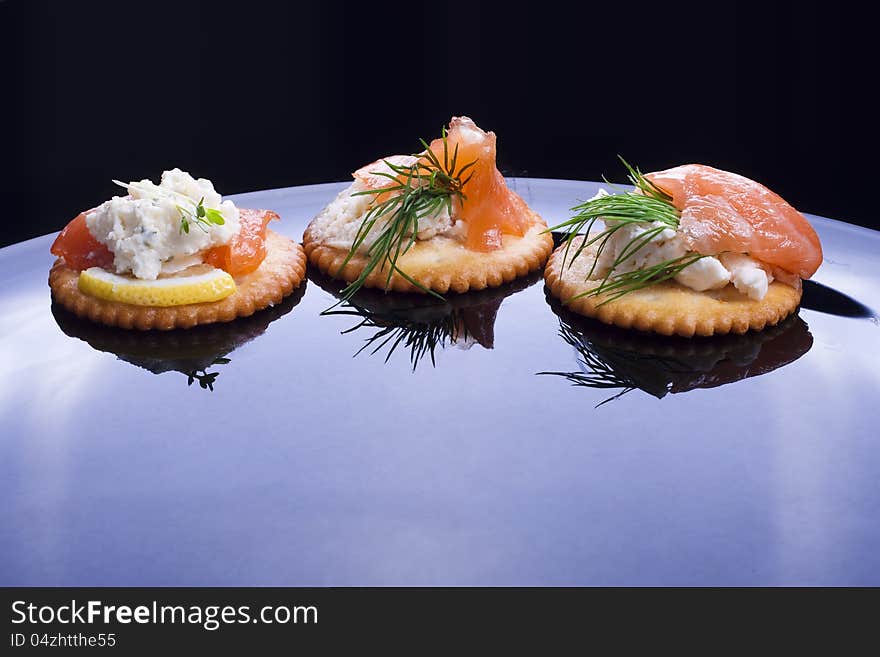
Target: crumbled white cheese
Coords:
[(707, 273), (747, 275), (338, 223), (143, 229), (666, 245)]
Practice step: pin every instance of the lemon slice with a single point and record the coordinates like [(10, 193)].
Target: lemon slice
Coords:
[(212, 285)]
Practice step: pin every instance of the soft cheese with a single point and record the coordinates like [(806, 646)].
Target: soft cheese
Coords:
[(144, 231), (338, 223)]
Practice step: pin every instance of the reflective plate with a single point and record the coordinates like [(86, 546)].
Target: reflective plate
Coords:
[(465, 443)]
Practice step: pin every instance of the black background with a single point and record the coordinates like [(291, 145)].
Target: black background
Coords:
[(257, 96)]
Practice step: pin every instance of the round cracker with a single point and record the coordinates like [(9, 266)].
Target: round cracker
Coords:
[(278, 275), (668, 308), (441, 263)]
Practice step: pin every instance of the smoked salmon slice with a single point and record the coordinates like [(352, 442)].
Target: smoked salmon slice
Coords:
[(375, 175), (722, 211), (490, 208), (247, 249), (79, 248)]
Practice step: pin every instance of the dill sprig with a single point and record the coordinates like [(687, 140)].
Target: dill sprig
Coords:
[(416, 191), (623, 283), (649, 205)]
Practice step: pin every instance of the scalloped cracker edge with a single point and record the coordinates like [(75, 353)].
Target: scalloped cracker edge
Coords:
[(441, 263), (668, 308), (282, 271)]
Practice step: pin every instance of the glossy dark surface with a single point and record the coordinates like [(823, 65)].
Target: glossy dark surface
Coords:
[(741, 461)]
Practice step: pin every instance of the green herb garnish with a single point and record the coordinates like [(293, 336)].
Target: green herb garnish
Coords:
[(200, 215), (418, 190), (647, 205)]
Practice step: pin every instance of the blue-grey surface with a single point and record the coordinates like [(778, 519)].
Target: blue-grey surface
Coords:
[(308, 466)]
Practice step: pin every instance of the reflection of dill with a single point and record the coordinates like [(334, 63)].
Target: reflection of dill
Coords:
[(395, 329), (605, 367), (596, 372), (206, 379), (658, 365)]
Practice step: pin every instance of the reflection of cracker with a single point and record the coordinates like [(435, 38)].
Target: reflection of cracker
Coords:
[(441, 263), (669, 308), (277, 276)]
